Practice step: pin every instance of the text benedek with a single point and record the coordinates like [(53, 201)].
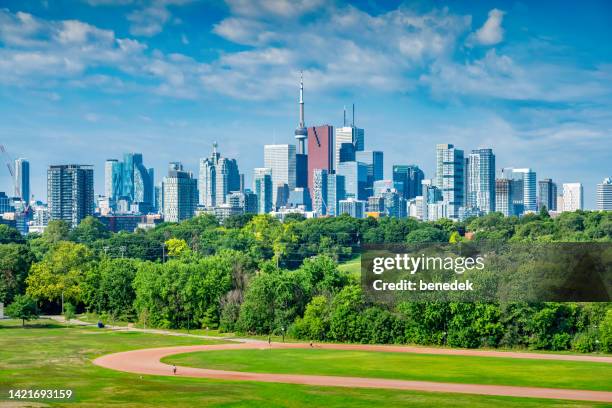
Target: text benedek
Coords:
[(423, 286)]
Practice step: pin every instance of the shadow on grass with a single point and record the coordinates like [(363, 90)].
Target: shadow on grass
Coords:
[(41, 325)]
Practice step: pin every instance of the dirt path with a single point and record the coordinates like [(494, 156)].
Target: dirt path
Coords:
[(147, 361)]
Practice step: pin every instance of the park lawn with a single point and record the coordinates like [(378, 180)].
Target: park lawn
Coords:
[(351, 267), (408, 366), (49, 355)]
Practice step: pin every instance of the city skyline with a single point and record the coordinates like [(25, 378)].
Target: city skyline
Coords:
[(480, 89)]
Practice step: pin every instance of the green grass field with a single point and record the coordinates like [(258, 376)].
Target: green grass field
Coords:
[(48, 355), (352, 267), (406, 366)]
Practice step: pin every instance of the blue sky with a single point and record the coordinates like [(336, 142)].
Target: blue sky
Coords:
[(82, 81)]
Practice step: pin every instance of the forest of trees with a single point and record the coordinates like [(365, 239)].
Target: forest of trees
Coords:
[(256, 275)]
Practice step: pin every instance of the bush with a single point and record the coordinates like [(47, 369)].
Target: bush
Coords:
[(605, 333), (560, 341), (585, 342)]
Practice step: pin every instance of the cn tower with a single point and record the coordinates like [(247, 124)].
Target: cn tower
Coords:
[(301, 133)]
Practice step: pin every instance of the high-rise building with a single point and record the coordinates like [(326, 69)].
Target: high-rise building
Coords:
[(320, 150), (110, 167), (180, 191), (547, 194), (262, 186), (335, 192), (394, 204), (319, 192), (381, 186), (348, 134), (411, 176), (354, 208), (282, 195), (417, 208), (22, 180), (573, 196), (450, 173), (375, 204), (299, 198), (5, 203), (355, 179), (280, 158), (481, 180), (250, 202), (503, 197), (604, 195), (347, 152), (218, 177), (129, 180), (374, 161), (524, 188), (70, 192)]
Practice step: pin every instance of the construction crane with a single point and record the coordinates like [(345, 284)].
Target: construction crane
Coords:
[(10, 164)]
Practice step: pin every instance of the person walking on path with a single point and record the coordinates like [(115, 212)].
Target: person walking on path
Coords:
[(174, 370)]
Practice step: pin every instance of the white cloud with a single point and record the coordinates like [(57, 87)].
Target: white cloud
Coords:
[(491, 32), (151, 19), (271, 8)]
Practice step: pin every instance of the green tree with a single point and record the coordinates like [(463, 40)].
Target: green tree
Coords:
[(10, 235), (24, 308), (177, 247), (15, 261), (56, 231), (62, 271), (427, 234), (108, 287), (89, 231)]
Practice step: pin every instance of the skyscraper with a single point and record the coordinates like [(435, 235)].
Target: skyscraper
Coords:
[(354, 208), (411, 176), (604, 195), (573, 197), (503, 197), (319, 192), (262, 186), (109, 183), (180, 194), (70, 192), (320, 150), (22, 180), (450, 173), (335, 193), (280, 158), (129, 180), (547, 194), (218, 177), (524, 188), (374, 162), (348, 134), (481, 180), (381, 186), (355, 179)]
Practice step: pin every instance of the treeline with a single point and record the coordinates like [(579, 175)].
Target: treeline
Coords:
[(256, 275)]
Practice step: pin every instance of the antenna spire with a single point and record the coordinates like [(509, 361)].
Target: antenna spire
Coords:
[(353, 124), (301, 134), (344, 120)]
